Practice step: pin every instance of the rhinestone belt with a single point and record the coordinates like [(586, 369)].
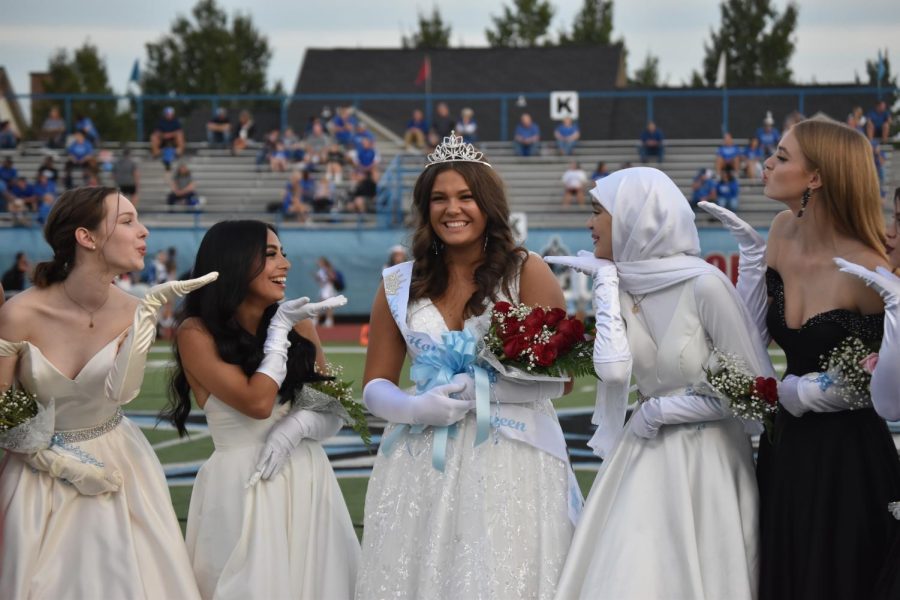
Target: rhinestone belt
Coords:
[(73, 436)]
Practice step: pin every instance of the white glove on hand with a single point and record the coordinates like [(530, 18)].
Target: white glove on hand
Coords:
[(433, 407), (813, 392), (89, 480), (673, 410), (275, 348), (510, 391), (886, 378), (751, 284), (123, 383), (584, 262), (286, 434)]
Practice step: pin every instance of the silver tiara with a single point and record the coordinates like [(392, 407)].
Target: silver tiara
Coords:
[(454, 149)]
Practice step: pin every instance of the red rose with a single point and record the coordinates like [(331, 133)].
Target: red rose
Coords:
[(554, 316), (544, 354), (502, 307), (513, 346), (511, 327), (561, 343), (767, 389), (534, 322), (573, 329)]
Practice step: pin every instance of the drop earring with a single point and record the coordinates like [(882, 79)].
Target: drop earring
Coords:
[(804, 201)]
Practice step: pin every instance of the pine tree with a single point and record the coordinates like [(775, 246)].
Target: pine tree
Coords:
[(432, 33), (524, 25), (647, 75), (593, 24), (758, 42)]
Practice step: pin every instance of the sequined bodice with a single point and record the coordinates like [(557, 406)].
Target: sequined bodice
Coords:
[(803, 347)]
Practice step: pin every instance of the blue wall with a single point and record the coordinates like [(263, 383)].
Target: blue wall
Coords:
[(359, 255)]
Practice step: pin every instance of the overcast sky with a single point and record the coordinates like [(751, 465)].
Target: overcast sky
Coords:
[(834, 37)]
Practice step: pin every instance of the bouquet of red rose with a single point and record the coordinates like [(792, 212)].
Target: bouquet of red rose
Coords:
[(539, 341), (750, 397)]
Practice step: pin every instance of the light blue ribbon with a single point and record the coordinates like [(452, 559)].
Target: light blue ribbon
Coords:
[(437, 366)]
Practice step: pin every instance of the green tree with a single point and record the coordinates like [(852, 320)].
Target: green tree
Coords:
[(593, 24), (647, 75), (208, 55), (523, 25), (84, 72), (887, 80), (758, 42), (432, 33)]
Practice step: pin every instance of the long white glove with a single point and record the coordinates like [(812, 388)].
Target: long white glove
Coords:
[(886, 376), (123, 383), (814, 392), (433, 407), (751, 283), (286, 434), (275, 348), (510, 391), (672, 410), (610, 342), (89, 480)]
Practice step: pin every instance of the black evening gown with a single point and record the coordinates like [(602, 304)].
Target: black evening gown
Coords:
[(826, 479)]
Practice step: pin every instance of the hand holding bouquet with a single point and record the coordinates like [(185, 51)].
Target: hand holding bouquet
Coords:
[(750, 397)]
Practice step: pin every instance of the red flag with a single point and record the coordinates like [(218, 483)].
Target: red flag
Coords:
[(424, 71)]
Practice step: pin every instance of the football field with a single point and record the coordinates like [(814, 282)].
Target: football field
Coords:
[(181, 457)]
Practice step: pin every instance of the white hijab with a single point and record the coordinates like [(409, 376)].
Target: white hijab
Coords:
[(655, 246)]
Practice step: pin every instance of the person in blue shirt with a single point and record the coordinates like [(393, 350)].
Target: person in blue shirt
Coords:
[(416, 130), (727, 155), (768, 136), (879, 122), (652, 143), (24, 191), (8, 137), (704, 187), (527, 140), (600, 172), (362, 132), (567, 134), (7, 171), (343, 125), (86, 126), (166, 137), (752, 159), (728, 190), (80, 155)]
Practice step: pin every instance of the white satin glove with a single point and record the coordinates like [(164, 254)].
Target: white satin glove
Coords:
[(610, 342), (751, 283), (510, 391), (286, 434), (815, 392), (89, 480), (673, 410), (289, 313), (433, 407), (123, 383), (886, 376)]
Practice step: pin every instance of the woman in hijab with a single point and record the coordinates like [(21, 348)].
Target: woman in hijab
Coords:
[(673, 509)]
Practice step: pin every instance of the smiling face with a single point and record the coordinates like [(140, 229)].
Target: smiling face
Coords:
[(600, 224), (453, 213), (786, 174), (121, 238), (270, 283)]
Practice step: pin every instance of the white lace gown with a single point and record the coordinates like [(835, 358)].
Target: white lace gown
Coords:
[(289, 537), (673, 517), (493, 524), (56, 543)]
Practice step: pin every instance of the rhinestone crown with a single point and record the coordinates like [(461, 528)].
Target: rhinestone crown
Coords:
[(454, 149)]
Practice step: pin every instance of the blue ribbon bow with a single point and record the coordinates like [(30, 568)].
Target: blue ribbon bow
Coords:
[(437, 366)]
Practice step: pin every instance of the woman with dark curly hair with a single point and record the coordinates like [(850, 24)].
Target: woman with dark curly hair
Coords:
[(267, 518), (464, 520)]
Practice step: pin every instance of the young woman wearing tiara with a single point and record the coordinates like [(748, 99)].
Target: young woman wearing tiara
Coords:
[(86, 512), (488, 520)]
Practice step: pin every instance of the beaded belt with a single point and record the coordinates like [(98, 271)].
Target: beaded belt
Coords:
[(73, 436)]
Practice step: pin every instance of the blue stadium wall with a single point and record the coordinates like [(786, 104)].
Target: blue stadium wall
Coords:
[(359, 255)]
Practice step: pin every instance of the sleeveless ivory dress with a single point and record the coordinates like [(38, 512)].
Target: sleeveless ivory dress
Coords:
[(287, 537), (57, 543)]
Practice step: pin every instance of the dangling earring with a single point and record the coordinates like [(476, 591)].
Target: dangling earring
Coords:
[(434, 247), (485, 244), (804, 201)]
